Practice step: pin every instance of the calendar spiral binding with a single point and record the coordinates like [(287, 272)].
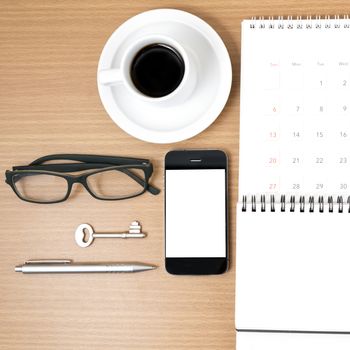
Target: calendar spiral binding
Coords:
[(300, 22), (297, 204)]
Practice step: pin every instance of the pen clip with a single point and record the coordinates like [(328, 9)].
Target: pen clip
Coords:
[(48, 261)]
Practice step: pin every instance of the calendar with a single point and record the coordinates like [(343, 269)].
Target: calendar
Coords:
[(293, 212), (295, 108)]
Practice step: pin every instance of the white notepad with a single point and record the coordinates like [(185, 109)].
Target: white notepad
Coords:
[(291, 341), (293, 219)]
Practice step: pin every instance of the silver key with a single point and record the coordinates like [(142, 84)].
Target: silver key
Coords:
[(83, 229)]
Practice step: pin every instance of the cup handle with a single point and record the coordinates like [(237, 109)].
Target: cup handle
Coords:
[(109, 76)]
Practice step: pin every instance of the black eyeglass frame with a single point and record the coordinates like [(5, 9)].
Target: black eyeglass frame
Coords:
[(86, 162)]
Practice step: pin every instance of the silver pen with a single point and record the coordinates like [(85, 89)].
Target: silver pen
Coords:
[(67, 266)]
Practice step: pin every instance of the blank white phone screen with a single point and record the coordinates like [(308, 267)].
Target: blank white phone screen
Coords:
[(195, 213)]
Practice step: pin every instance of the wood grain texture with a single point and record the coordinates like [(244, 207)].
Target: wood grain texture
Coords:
[(49, 104)]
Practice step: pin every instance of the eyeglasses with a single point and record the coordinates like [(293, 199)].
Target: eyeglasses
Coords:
[(106, 178)]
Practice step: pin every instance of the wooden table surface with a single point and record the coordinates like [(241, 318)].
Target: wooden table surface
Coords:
[(49, 103)]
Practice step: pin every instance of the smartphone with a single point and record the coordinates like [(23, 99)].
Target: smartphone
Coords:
[(196, 212)]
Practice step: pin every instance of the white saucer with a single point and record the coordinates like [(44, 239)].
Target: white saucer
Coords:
[(159, 124)]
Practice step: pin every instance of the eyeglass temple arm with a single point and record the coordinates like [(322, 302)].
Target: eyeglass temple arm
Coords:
[(149, 188), (87, 158)]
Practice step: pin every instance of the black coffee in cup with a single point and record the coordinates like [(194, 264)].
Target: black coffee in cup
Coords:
[(157, 70)]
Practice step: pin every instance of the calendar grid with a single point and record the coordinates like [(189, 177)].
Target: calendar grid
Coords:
[(295, 108)]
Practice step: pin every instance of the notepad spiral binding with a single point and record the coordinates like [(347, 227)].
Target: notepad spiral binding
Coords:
[(299, 204), (299, 22)]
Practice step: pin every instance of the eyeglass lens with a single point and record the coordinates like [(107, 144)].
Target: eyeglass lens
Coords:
[(41, 187), (117, 183)]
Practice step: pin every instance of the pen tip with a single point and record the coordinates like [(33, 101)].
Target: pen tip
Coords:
[(18, 269), (139, 268)]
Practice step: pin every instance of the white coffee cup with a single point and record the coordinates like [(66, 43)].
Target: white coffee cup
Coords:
[(121, 75)]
